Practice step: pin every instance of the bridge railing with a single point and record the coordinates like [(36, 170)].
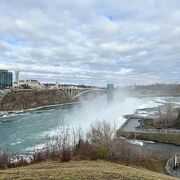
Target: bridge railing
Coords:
[(170, 167), (163, 131)]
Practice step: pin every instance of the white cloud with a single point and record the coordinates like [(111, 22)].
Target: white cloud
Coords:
[(142, 53), (91, 42)]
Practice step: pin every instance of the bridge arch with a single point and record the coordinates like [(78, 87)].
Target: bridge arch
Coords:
[(87, 91)]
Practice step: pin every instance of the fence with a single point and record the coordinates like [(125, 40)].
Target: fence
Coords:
[(163, 131)]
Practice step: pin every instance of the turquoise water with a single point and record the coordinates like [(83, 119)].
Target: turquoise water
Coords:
[(22, 132)]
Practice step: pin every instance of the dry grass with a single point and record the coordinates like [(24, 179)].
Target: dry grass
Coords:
[(80, 170)]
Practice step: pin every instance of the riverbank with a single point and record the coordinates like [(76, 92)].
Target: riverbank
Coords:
[(81, 170), (15, 101), (2, 113), (156, 137)]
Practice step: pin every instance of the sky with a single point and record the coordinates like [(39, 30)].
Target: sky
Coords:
[(92, 42)]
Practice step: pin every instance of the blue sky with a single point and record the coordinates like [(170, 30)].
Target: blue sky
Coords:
[(92, 42)]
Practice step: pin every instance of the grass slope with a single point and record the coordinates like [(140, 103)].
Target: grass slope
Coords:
[(80, 170)]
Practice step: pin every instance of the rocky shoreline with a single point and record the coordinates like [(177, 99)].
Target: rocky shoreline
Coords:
[(2, 113)]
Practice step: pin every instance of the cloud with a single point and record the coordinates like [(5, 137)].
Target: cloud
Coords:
[(91, 42)]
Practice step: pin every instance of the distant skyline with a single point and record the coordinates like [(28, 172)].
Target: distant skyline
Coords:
[(92, 42)]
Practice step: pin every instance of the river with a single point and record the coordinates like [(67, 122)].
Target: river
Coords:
[(26, 131)]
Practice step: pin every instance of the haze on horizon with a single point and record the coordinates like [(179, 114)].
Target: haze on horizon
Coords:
[(92, 42)]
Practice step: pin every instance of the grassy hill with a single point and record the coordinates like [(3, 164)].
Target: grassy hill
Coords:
[(81, 170)]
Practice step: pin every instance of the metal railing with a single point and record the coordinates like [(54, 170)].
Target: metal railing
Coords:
[(163, 131), (170, 167)]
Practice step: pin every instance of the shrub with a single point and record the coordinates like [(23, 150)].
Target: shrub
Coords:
[(101, 134), (84, 149), (4, 161), (39, 156), (102, 153), (126, 153), (65, 155)]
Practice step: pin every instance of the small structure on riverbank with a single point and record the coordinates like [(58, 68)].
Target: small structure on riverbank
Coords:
[(173, 166)]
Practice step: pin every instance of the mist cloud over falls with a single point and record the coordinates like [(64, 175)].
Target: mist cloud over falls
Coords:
[(98, 110)]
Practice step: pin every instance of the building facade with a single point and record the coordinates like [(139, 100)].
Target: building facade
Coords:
[(29, 84), (6, 78)]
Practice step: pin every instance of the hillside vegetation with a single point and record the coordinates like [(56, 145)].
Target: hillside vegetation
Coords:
[(19, 100), (156, 137), (81, 170)]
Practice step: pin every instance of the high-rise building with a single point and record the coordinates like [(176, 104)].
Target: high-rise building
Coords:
[(6, 78)]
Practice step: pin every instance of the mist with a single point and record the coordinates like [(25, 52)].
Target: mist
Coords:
[(99, 110)]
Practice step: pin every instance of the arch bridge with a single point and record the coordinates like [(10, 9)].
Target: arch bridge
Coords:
[(75, 92)]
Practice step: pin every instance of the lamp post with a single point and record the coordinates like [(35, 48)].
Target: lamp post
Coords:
[(175, 161)]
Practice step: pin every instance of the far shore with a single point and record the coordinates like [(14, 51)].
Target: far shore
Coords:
[(2, 113)]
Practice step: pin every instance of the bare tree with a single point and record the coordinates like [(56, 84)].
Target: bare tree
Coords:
[(101, 134), (167, 116)]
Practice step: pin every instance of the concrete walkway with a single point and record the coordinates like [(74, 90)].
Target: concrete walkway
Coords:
[(178, 172)]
